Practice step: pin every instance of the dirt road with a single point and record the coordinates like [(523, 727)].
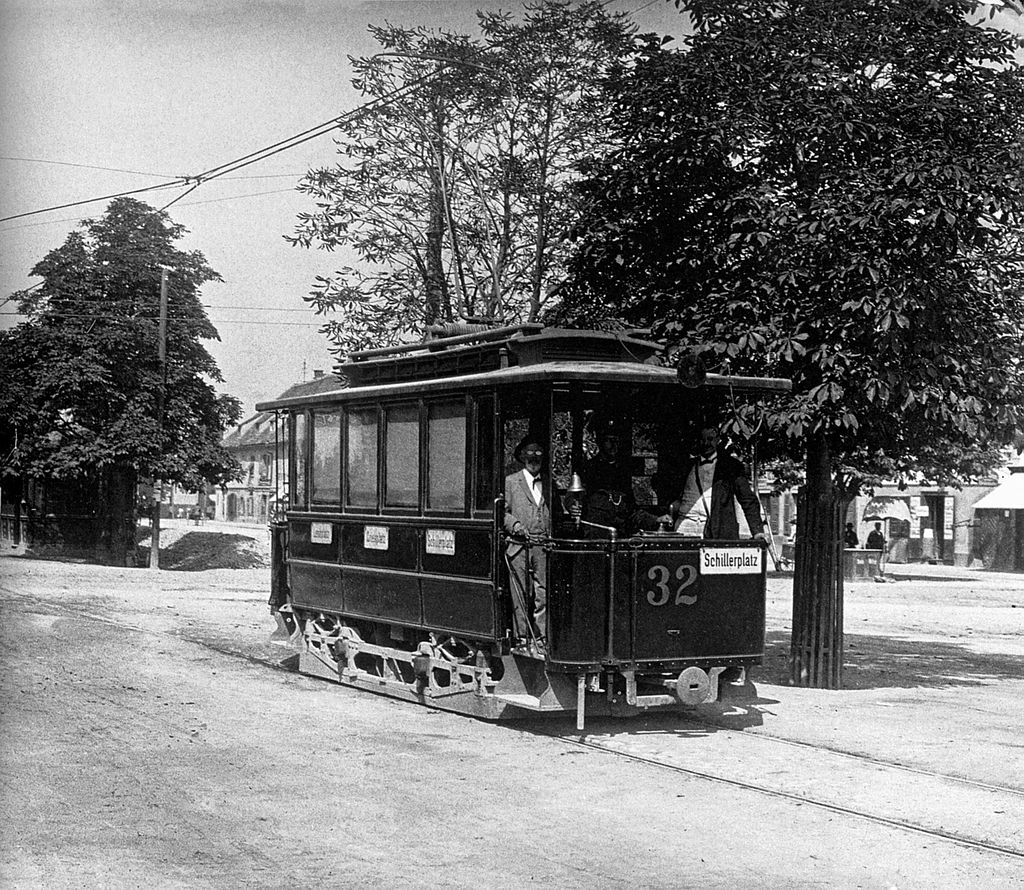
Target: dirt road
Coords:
[(150, 737)]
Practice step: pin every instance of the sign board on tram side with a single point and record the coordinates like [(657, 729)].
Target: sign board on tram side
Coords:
[(441, 541), (731, 560), (321, 533), (375, 537)]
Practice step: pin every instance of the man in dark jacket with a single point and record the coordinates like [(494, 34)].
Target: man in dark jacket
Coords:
[(714, 481), (608, 481)]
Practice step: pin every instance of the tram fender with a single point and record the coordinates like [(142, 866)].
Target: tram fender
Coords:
[(284, 629)]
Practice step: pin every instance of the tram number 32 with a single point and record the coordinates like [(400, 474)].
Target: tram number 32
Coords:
[(665, 585)]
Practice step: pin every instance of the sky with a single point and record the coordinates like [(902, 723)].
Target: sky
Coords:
[(157, 89)]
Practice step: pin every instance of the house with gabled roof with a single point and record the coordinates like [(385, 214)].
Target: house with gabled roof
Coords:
[(253, 498)]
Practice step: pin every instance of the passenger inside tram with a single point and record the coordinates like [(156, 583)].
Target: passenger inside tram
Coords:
[(609, 500), (713, 491)]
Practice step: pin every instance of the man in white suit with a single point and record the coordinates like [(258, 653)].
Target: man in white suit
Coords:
[(527, 522)]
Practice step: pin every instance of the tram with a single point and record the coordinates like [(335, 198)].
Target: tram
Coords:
[(390, 565)]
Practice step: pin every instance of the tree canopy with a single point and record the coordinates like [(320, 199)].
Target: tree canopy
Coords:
[(453, 190), (81, 384), (830, 191)]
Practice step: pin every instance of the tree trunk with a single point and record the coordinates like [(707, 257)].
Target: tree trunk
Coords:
[(116, 505), (816, 656), (435, 283)]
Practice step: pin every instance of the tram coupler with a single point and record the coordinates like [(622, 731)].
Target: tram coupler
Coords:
[(693, 686)]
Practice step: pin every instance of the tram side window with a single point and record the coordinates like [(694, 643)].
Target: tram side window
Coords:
[(362, 458), (325, 472), (299, 460), (514, 429), (646, 440), (485, 453), (446, 461), (402, 450)]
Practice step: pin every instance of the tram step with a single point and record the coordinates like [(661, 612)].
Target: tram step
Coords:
[(529, 702)]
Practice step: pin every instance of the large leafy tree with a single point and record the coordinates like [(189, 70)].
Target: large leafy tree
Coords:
[(453, 191), (830, 191), (82, 392)]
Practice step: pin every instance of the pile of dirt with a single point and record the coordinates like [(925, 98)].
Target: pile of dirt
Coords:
[(195, 551)]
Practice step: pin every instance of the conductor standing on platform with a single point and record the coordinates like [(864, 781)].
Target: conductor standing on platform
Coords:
[(528, 522)]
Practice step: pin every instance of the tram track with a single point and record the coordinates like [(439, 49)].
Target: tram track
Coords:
[(875, 818), (720, 726), (607, 746)]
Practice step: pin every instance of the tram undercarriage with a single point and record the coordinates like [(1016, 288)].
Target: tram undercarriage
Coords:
[(468, 677)]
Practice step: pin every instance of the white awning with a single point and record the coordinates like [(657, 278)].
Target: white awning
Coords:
[(1007, 495), (881, 508)]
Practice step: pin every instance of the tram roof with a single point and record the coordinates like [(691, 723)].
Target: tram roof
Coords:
[(630, 373)]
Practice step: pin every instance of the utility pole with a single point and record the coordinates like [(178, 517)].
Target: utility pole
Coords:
[(158, 485)]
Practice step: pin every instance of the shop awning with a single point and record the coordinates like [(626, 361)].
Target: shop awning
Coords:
[(1007, 495), (882, 508)]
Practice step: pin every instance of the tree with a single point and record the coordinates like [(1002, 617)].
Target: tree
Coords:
[(830, 191), (454, 191), (82, 389)]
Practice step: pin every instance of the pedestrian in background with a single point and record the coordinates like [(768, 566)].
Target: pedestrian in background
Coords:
[(850, 538), (876, 541)]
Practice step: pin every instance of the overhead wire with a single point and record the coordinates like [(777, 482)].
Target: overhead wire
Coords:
[(133, 172), (182, 195), (83, 166), (221, 170), (129, 302), (188, 318), (148, 188), (53, 222), (261, 154)]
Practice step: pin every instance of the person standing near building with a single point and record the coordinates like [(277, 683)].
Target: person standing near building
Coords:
[(876, 541), (850, 538), (528, 521)]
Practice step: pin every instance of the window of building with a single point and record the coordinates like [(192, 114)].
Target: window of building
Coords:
[(446, 456), (325, 472), (403, 456), (362, 458)]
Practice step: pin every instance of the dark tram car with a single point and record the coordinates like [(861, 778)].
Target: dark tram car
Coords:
[(392, 567)]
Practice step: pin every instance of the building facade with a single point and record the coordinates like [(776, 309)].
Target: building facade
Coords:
[(941, 525), (255, 443)]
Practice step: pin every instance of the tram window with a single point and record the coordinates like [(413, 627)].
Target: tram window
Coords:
[(446, 461), (401, 487), (362, 458), (646, 440), (299, 460), (561, 448), (325, 472), (485, 453), (653, 450), (513, 431)]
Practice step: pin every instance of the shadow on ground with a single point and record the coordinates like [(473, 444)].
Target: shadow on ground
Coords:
[(874, 662), (198, 551)]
